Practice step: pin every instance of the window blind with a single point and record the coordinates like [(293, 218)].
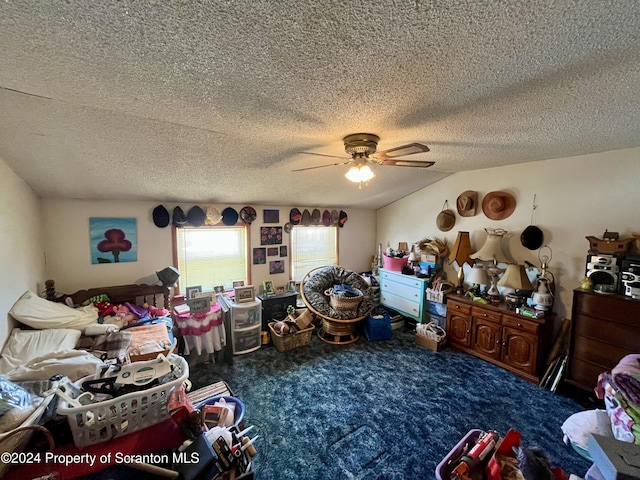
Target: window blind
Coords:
[(211, 256), (312, 247)]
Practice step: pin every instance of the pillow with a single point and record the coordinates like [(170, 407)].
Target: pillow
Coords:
[(25, 345), (40, 313)]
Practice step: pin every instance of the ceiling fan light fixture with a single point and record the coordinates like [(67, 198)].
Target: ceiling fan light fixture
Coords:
[(359, 174)]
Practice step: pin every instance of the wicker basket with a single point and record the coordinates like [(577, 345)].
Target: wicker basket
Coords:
[(341, 303), (290, 341)]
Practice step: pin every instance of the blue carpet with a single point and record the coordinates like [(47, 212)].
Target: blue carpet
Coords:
[(381, 410)]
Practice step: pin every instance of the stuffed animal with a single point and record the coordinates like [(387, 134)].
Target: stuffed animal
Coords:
[(124, 315)]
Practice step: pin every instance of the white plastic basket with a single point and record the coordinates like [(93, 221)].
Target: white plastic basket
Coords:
[(119, 416)]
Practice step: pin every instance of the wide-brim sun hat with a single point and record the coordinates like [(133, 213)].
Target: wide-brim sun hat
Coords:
[(445, 220), (498, 205)]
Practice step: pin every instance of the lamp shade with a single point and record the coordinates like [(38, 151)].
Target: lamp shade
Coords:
[(168, 276), (360, 173), (478, 275), (492, 248), (515, 277), (461, 250)]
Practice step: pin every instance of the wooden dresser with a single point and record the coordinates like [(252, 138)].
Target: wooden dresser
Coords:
[(604, 328), (499, 335)]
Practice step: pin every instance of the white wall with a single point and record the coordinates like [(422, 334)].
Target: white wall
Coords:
[(575, 197), (21, 251), (66, 227)]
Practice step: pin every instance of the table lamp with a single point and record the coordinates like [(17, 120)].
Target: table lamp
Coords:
[(515, 277), (477, 277), (492, 252), (460, 253)]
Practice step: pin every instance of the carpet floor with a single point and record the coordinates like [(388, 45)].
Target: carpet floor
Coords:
[(381, 410)]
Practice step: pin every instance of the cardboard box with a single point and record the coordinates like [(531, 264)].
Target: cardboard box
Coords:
[(303, 320), (431, 344)]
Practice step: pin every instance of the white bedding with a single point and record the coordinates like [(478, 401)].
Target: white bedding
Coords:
[(40, 313), (40, 354)]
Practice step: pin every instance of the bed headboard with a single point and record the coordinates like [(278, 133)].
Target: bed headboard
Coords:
[(118, 294)]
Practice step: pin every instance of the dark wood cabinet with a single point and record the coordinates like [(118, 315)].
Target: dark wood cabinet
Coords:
[(499, 335), (604, 328), (274, 307)]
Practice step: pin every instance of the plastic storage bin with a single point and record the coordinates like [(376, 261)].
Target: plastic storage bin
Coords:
[(443, 470), (377, 327), (238, 412), (119, 416)]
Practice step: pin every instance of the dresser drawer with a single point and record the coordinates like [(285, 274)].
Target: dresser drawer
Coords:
[(486, 314), (521, 324), (406, 291), (403, 305), (408, 280), (593, 351), (454, 306), (613, 308), (607, 333)]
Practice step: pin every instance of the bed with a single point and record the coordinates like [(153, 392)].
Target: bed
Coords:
[(74, 334)]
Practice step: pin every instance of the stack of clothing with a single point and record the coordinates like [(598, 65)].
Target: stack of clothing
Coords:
[(620, 390)]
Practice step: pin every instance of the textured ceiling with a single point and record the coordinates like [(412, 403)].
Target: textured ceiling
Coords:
[(213, 102)]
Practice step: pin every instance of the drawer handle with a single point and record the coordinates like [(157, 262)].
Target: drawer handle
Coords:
[(484, 315), (519, 324), (457, 306), (416, 295)]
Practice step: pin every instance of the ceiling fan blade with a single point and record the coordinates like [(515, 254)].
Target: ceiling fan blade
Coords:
[(403, 150), (407, 163), (324, 155), (320, 166)]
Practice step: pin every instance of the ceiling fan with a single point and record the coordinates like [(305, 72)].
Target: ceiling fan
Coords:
[(362, 148)]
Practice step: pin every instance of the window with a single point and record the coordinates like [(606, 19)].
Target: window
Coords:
[(211, 256), (312, 247)]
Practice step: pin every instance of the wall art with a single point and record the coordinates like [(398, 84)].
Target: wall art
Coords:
[(270, 235), (276, 266), (259, 256), (113, 240), (271, 216)]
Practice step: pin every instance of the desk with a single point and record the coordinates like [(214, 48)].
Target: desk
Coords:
[(205, 329)]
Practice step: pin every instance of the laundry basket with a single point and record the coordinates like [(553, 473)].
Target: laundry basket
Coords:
[(119, 416)]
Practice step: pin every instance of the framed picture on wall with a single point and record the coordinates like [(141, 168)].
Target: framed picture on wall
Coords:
[(272, 251), (259, 256), (276, 266), (271, 216)]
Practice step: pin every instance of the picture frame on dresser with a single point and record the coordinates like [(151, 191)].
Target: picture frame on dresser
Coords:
[(244, 294), (192, 291), (199, 305)]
